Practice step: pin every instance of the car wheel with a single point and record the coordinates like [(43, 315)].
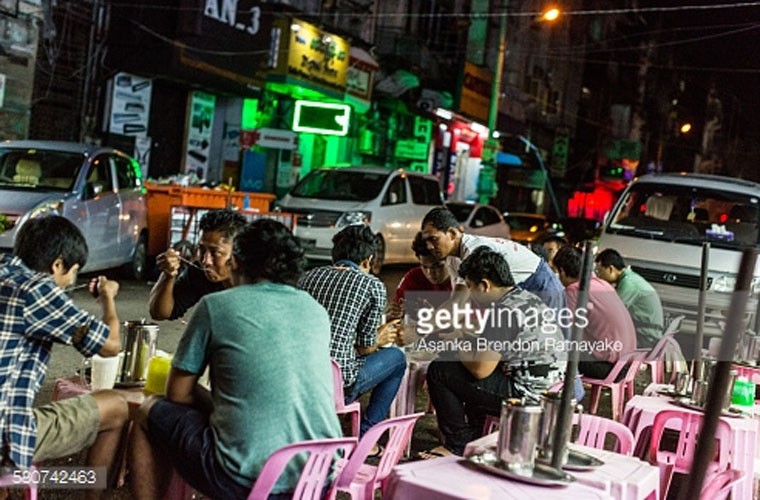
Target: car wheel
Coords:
[(379, 260), (138, 267)]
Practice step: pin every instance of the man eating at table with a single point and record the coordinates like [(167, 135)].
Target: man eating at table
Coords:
[(35, 313)]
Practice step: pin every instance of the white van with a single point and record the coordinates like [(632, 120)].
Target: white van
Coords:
[(392, 202), (659, 225)]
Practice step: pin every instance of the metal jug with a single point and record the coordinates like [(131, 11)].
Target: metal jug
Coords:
[(518, 435), (551, 402), (139, 345)]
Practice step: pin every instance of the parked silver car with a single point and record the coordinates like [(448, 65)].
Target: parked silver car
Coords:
[(483, 220), (99, 189)]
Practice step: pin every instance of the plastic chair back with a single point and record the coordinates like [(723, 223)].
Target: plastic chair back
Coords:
[(719, 487), (689, 425), (353, 409), (322, 454), (30, 491), (399, 434), (667, 350), (593, 431)]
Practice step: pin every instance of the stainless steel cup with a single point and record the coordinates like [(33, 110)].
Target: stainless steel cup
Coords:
[(518, 435), (551, 402), (699, 393), (139, 345), (683, 379)]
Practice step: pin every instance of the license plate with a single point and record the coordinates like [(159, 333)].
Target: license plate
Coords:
[(308, 244)]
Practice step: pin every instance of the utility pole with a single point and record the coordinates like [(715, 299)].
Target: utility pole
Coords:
[(487, 179)]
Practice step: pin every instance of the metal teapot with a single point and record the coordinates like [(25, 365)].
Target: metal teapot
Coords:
[(139, 345)]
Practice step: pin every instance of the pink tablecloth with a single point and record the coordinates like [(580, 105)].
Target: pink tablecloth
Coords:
[(447, 478), (639, 416), (621, 477)]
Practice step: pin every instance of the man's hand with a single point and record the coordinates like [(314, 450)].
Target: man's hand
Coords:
[(108, 289), (395, 310), (168, 262), (388, 332)]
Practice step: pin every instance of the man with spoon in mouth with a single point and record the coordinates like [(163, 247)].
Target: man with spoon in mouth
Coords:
[(175, 292)]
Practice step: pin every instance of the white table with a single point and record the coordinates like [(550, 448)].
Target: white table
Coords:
[(452, 478), (622, 477)]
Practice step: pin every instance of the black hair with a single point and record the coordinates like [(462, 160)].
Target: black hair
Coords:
[(42, 240), (553, 238), (568, 260), (441, 218), (484, 263), (226, 221), (355, 243), (420, 247), (610, 257), (539, 250), (267, 249)]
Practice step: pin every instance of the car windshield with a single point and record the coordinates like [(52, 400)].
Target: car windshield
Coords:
[(343, 185), (461, 211), (39, 169), (524, 222), (690, 215)]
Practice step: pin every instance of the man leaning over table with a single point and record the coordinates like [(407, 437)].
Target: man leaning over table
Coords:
[(35, 313), (271, 378), (515, 356)]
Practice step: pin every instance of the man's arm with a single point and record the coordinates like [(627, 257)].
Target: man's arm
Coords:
[(107, 291), (182, 388), (387, 333), (161, 302)]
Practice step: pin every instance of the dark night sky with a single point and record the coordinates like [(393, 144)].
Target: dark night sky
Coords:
[(727, 39)]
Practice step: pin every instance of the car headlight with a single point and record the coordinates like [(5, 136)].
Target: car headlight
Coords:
[(726, 284), (355, 217)]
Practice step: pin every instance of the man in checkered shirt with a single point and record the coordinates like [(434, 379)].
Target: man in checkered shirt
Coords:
[(35, 313), (355, 300)]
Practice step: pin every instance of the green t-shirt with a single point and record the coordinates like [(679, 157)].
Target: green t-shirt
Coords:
[(267, 348), (642, 301)]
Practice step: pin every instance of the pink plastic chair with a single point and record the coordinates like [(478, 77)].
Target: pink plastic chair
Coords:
[(360, 480), (353, 409), (618, 390), (593, 430), (688, 424), (8, 480), (314, 475), (667, 350), (719, 487)]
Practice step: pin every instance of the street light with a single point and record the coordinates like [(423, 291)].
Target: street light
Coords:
[(487, 178)]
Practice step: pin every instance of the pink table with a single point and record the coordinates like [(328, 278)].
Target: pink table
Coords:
[(641, 411), (622, 477), (447, 478)]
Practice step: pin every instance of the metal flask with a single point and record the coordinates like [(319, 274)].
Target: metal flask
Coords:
[(139, 345), (551, 403), (518, 435)]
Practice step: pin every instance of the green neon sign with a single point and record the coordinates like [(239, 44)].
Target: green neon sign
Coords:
[(321, 118)]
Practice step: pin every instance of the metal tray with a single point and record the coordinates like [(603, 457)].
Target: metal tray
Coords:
[(686, 402), (577, 461), (541, 475)]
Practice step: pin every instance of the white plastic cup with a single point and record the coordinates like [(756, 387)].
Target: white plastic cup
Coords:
[(104, 372)]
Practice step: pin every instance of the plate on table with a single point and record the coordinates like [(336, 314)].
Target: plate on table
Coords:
[(577, 461), (686, 402), (540, 475), (670, 393)]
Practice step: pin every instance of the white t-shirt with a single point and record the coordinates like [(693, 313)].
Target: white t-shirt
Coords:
[(521, 259)]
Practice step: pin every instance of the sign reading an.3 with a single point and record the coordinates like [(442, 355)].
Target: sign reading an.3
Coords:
[(226, 11)]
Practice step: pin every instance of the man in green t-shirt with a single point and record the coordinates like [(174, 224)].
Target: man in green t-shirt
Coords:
[(639, 297), (267, 346)]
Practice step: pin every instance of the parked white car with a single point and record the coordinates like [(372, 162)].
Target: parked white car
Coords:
[(98, 188), (483, 220), (392, 201)]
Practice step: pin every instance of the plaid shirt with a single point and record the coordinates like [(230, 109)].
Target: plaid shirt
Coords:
[(355, 302), (34, 313)]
